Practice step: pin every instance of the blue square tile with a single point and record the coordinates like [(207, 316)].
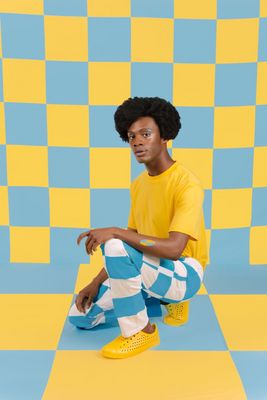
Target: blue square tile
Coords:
[(66, 82), (232, 168), (203, 320), (101, 214), (59, 277), (3, 171), (197, 128), (26, 124), (24, 373), (235, 84), (252, 367), (207, 208), (260, 126), (102, 127), (263, 40), (5, 244), (1, 80), (238, 278), (152, 79), (65, 7), (28, 206), (68, 167), (229, 246), (64, 248), (259, 206), (109, 39), (23, 36), (194, 41), (152, 8), (238, 8)]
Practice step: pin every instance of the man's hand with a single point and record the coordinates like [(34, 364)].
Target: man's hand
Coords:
[(86, 296), (96, 237)]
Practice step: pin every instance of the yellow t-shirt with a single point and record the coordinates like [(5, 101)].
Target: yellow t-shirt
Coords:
[(170, 201)]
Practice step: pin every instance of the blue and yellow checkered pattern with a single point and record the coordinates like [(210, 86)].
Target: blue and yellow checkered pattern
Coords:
[(65, 66)]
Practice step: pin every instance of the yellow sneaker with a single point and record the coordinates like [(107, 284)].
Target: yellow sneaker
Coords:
[(178, 313), (122, 347)]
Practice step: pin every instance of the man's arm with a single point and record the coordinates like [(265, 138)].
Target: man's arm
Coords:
[(178, 239), (171, 247)]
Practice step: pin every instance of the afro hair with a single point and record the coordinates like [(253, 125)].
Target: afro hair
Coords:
[(162, 111)]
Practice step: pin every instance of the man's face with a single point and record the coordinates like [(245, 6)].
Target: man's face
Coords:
[(144, 135)]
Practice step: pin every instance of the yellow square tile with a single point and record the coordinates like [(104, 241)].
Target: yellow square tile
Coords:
[(24, 80), (117, 175), (259, 170), (263, 8), (237, 40), (68, 125), (29, 244), (242, 319), (152, 39), (85, 275), (261, 97), (66, 38), (234, 127), (199, 161), (4, 209), (69, 208), (258, 245), (193, 84), (231, 208), (22, 7), (27, 165), (87, 272), (205, 9), (109, 82), (109, 8), (2, 124), (205, 366), (33, 321)]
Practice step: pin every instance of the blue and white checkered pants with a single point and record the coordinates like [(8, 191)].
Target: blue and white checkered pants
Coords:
[(134, 276)]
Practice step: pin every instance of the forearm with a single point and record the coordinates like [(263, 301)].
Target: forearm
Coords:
[(101, 277), (162, 248)]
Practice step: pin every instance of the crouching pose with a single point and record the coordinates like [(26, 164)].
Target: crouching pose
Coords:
[(163, 253)]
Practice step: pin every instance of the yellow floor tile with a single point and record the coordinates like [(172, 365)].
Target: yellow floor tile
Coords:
[(243, 320), (161, 375), (32, 321)]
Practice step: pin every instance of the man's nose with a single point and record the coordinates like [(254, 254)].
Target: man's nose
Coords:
[(137, 141)]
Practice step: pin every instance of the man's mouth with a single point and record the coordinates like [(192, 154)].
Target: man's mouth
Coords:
[(140, 152)]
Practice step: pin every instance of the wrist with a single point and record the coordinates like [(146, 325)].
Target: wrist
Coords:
[(96, 280), (116, 232)]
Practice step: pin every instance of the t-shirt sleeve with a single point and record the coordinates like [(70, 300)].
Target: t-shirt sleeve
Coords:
[(188, 211)]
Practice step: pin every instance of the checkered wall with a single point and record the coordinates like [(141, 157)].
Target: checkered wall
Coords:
[(65, 67)]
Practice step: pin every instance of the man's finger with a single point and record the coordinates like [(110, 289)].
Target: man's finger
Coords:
[(82, 235), (96, 244), (89, 245), (84, 302), (88, 303), (78, 302)]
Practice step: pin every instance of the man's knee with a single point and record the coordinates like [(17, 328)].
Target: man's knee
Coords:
[(114, 247)]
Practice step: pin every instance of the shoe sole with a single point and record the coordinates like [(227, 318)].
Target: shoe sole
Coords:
[(133, 353), (173, 322)]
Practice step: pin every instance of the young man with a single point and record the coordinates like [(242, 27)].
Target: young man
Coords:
[(163, 253)]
